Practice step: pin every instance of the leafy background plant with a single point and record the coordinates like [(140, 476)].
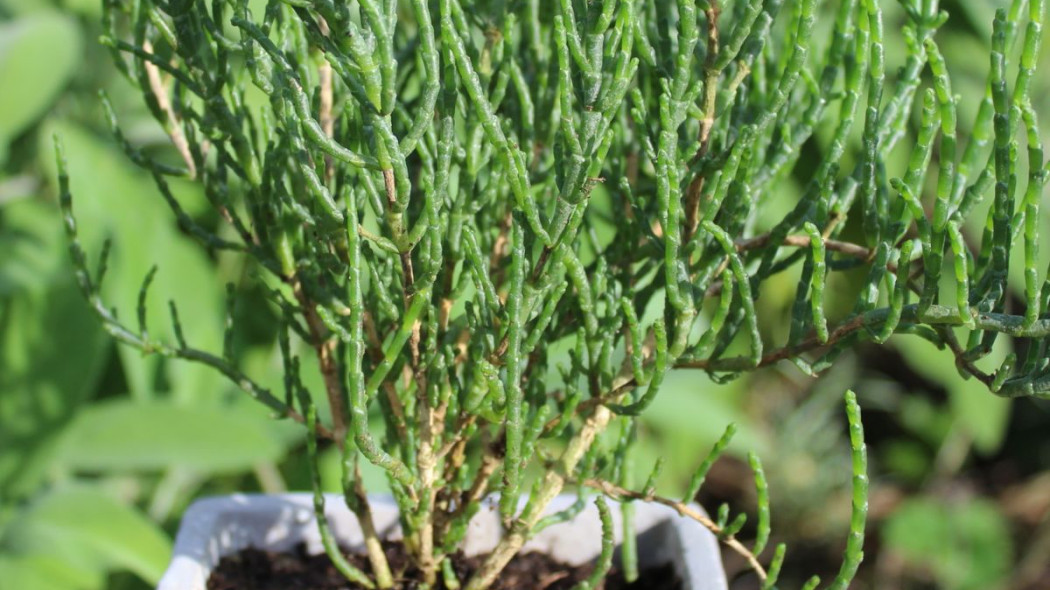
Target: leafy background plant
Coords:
[(101, 449)]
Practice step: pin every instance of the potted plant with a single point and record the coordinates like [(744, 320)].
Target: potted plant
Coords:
[(439, 196)]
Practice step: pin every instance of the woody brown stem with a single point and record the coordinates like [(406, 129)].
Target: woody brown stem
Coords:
[(709, 102), (551, 485), (375, 351), (357, 500), (324, 347), (174, 127), (758, 242)]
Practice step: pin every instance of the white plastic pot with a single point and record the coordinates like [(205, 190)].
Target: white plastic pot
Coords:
[(215, 527)]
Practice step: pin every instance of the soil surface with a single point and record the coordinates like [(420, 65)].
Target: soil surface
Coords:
[(253, 569)]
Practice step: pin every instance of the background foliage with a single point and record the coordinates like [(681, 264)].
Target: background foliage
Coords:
[(101, 449)]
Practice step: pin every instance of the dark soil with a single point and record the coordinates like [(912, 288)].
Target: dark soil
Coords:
[(253, 569)]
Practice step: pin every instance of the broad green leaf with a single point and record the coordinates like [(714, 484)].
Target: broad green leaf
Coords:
[(38, 54), (87, 8), (52, 350), (23, 7), (24, 466), (78, 521), (35, 254), (41, 573), (130, 435), (983, 415), (965, 545), (691, 404)]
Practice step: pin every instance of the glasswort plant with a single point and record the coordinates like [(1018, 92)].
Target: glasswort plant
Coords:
[(437, 190)]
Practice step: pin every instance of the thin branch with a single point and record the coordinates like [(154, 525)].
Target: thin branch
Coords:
[(759, 242), (616, 492), (324, 346), (711, 77)]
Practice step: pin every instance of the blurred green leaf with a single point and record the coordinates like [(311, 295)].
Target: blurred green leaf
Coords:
[(331, 465), (906, 459), (978, 13), (128, 435), (80, 525), (88, 8), (52, 350), (689, 415), (43, 573), (38, 54), (33, 246), (689, 403), (14, 188), (22, 7), (111, 198), (983, 416), (964, 545)]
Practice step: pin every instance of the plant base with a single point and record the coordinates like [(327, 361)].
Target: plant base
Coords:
[(216, 527), (267, 570)]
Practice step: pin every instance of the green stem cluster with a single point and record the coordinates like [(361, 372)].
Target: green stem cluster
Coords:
[(438, 190)]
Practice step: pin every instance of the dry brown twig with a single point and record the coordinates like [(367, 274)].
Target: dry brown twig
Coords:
[(757, 242), (160, 93)]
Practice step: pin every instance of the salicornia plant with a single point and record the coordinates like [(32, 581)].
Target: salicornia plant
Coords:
[(438, 190)]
